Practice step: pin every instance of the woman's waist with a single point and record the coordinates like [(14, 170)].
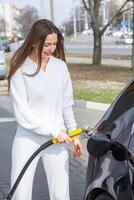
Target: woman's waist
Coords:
[(48, 127), (23, 132)]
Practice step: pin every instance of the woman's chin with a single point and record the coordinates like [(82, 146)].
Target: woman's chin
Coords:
[(44, 56)]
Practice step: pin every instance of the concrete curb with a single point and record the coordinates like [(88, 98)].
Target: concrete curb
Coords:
[(91, 105), (78, 103)]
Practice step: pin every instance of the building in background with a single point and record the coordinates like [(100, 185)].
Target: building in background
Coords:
[(9, 14)]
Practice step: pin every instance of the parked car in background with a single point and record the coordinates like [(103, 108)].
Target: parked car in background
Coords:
[(124, 39), (3, 71), (87, 32), (117, 33), (6, 45)]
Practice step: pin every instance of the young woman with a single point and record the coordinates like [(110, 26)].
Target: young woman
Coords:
[(41, 94)]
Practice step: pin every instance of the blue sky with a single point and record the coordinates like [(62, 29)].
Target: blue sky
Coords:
[(62, 8)]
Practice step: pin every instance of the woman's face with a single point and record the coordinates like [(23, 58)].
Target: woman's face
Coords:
[(49, 45)]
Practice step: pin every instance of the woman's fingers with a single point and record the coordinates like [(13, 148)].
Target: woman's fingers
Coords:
[(78, 150), (64, 140), (63, 137)]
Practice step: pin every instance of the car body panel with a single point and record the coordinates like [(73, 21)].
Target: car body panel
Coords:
[(107, 173)]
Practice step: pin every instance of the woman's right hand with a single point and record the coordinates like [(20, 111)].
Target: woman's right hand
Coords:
[(63, 137)]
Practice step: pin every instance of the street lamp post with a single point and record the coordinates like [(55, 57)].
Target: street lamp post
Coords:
[(86, 21), (129, 17), (42, 8), (74, 19)]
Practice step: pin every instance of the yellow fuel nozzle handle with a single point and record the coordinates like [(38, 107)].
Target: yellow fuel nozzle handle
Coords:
[(75, 133), (72, 134)]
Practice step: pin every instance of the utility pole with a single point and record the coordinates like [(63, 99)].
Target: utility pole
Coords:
[(86, 21), (74, 18), (42, 8), (52, 11), (104, 12)]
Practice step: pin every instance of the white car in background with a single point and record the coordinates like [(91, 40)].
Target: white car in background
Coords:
[(87, 32), (117, 33), (124, 39), (3, 70), (129, 39)]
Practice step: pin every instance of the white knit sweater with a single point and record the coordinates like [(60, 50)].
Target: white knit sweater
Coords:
[(43, 103)]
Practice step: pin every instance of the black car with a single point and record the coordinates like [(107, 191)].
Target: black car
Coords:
[(110, 171), (6, 46)]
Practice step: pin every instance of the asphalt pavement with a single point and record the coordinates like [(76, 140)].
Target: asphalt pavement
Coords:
[(84, 117)]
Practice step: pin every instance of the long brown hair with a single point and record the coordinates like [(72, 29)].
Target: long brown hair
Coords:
[(37, 34)]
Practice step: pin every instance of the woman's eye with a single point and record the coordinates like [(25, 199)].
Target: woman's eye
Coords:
[(47, 45)]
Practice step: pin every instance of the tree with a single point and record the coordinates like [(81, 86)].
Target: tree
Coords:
[(68, 27), (113, 8), (2, 27), (28, 15), (93, 8), (80, 21)]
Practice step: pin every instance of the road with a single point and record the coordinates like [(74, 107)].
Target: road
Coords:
[(40, 189), (85, 46)]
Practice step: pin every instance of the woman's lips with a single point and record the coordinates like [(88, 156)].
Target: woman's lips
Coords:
[(47, 54)]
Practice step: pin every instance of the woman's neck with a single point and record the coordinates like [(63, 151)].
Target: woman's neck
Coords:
[(34, 58)]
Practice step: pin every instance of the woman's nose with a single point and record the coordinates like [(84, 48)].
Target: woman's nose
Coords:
[(52, 48)]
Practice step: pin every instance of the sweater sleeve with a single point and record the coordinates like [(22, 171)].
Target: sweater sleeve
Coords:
[(67, 90), (68, 113), (23, 113), (69, 118)]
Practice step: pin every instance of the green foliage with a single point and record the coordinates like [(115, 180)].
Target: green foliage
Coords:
[(103, 96)]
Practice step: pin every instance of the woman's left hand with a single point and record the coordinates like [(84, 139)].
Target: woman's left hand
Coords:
[(77, 148)]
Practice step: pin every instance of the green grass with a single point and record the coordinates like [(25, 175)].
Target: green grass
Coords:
[(102, 96)]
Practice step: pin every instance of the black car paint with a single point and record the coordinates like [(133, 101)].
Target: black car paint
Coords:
[(107, 173)]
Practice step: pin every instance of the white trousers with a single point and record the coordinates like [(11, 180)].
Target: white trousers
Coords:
[(55, 161)]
